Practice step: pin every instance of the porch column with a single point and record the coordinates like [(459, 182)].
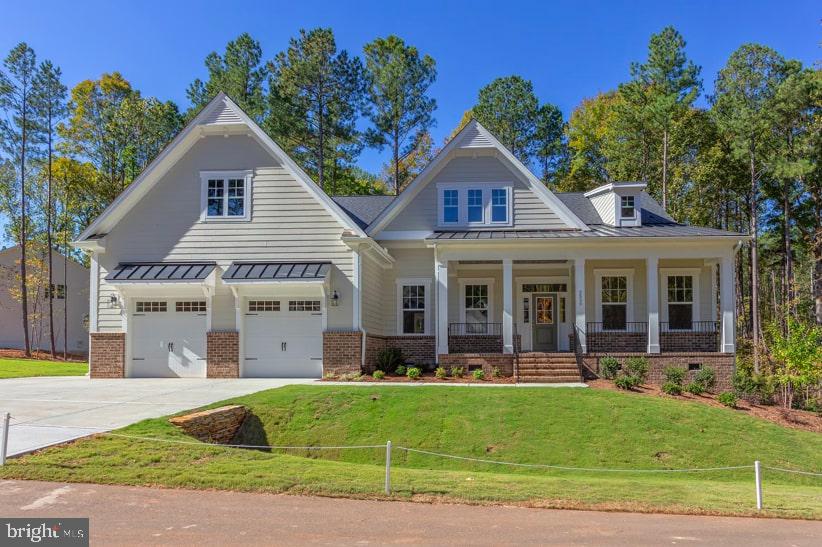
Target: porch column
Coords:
[(652, 285), (579, 299), (507, 306), (441, 272), (727, 304)]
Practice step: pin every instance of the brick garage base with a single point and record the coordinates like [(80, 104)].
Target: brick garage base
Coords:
[(486, 361), (107, 355), (419, 350), (722, 363), (223, 354), (342, 352)]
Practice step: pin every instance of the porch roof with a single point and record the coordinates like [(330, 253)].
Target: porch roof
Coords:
[(654, 230)]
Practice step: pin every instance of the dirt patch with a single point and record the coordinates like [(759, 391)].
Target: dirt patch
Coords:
[(429, 378), (40, 355), (796, 419)]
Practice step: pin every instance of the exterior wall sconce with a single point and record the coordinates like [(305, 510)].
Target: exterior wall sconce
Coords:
[(114, 301), (335, 299)]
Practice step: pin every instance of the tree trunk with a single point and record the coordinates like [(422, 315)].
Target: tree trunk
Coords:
[(396, 163), (51, 287), (754, 228), (23, 288), (665, 169), (790, 304), (321, 139)]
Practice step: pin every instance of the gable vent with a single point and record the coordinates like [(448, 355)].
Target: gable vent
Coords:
[(474, 139), (222, 115)]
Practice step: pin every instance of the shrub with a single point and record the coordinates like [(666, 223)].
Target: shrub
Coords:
[(728, 398), (457, 372), (695, 388), (609, 367), (674, 375), (705, 377), (350, 377), (440, 373), (626, 382), (413, 373), (672, 388), (637, 367), (378, 375), (358, 377), (478, 374), (496, 372), (756, 388), (329, 376), (389, 359), (400, 370)]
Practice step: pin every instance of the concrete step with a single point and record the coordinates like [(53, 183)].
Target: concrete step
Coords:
[(549, 379)]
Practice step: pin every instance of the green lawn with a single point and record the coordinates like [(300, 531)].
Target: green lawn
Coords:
[(572, 427), (22, 368)]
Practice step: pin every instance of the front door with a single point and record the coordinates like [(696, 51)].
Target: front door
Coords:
[(544, 324)]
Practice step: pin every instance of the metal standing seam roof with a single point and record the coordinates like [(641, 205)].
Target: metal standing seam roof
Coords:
[(276, 271), (655, 230), (161, 271)]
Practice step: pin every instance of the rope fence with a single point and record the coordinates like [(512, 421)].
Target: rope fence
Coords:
[(756, 466)]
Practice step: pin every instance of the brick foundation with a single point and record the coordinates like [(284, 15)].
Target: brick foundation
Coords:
[(486, 361), (688, 341), (419, 350), (107, 355), (223, 354), (722, 363), (476, 343), (599, 342), (342, 352), (217, 425)]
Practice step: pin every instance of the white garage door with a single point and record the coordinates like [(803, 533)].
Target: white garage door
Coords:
[(168, 339), (283, 338)]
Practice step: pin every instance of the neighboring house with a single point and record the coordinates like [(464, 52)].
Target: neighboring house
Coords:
[(224, 259), (70, 289)]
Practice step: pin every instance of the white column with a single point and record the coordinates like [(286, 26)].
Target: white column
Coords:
[(727, 304), (442, 306), (507, 306), (94, 294), (579, 299), (652, 299)]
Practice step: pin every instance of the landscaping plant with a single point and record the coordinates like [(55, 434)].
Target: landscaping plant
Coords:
[(728, 398), (637, 367), (672, 388), (496, 372), (705, 377), (674, 375), (389, 359), (797, 355), (440, 373), (378, 375), (609, 367), (695, 388), (400, 370), (457, 372), (478, 374), (625, 381), (414, 373)]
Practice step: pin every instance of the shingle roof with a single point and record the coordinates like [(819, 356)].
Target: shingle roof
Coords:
[(161, 271), (652, 230), (363, 209), (276, 271), (652, 212)]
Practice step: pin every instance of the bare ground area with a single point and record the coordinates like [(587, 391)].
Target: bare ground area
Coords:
[(6, 353)]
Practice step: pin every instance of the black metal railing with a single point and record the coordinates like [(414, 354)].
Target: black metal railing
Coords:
[(475, 329), (710, 327), (636, 327)]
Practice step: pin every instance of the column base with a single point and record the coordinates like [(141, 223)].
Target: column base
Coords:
[(728, 348), (654, 348)]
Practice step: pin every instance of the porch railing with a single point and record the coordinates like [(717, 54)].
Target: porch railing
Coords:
[(711, 327), (472, 329)]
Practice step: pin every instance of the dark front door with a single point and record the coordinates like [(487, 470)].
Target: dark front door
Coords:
[(544, 325)]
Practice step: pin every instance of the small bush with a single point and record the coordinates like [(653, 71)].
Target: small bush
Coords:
[(496, 372), (626, 382), (672, 388), (389, 359), (728, 399), (358, 377), (457, 372), (695, 388), (440, 373), (674, 375), (329, 376), (350, 377), (638, 368), (705, 377), (378, 375), (478, 374), (400, 370), (413, 373), (609, 367)]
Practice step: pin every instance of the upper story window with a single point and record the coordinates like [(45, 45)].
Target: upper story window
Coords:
[(483, 204), (627, 209), (226, 195)]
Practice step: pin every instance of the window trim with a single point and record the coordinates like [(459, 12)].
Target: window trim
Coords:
[(462, 204), (225, 175), (406, 281), (633, 207), (463, 282), (695, 274), (628, 273)]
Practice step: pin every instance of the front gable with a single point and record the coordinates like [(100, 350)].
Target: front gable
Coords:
[(475, 161)]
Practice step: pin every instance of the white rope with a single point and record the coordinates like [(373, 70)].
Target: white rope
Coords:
[(809, 473), (592, 469)]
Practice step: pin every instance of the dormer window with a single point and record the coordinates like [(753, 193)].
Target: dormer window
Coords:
[(450, 206), (225, 195), (475, 209), (627, 209), (484, 204), (499, 205)]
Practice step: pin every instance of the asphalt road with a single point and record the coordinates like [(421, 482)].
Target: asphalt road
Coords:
[(122, 515)]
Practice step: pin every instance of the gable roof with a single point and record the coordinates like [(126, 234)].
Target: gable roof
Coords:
[(474, 135), (363, 209), (221, 111)]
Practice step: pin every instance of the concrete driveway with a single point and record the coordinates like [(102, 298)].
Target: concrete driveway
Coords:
[(47, 411)]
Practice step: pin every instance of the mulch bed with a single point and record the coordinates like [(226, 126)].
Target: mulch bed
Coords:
[(429, 378), (796, 419), (39, 355)]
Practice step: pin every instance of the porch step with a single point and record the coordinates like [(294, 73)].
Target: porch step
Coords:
[(549, 379), (540, 367), (547, 371)]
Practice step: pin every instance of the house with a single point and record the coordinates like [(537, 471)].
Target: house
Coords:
[(223, 259), (69, 293)]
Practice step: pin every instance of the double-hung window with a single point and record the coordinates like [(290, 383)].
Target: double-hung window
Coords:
[(476, 210), (680, 302), (483, 204), (226, 195), (450, 206), (412, 305), (614, 302), (627, 208), (476, 305), (499, 205)]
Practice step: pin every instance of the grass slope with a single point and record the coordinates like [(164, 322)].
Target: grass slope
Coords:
[(22, 368), (559, 426)]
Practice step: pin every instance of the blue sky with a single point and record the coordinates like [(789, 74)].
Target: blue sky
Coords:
[(570, 50)]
